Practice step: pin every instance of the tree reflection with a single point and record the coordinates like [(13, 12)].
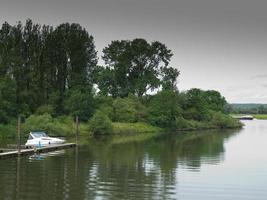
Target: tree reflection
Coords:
[(133, 170)]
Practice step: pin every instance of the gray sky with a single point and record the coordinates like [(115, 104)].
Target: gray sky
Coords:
[(217, 44)]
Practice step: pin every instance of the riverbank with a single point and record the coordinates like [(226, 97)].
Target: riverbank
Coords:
[(64, 126), (256, 116)]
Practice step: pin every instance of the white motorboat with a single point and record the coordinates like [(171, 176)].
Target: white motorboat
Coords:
[(41, 139)]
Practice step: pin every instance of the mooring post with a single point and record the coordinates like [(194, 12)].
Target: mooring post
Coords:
[(77, 129), (18, 134)]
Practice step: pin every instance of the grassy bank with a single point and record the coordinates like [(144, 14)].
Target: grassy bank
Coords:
[(133, 128), (260, 116), (217, 121), (65, 126)]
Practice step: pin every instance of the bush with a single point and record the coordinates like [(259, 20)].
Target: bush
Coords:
[(129, 110), (53, 126), (44, 109), (37, 122), (221, 120), (8, 130), (124, 110), (100, 124), (164, 109)]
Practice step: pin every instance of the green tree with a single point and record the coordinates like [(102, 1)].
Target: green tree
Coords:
[(195, 106), (214, 100), (136, 67), (128, 109), (80, 103), (164, 109), (7, 99), (100, 124)]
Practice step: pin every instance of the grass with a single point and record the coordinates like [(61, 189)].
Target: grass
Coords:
[(133, 128), (260, 116)]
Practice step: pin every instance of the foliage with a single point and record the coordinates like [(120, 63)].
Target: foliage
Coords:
[(80, 103), (100, 124), (128, 109), (44, 109), (135, 67), (248, 108), (214, 100), (50, 74), (45, 62), (8, 130), (61, 126), (163, 109), (260, 116), (195, 106), (224, 121), (7, 99)]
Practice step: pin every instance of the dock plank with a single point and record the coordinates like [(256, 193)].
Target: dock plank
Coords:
[(25, 152)]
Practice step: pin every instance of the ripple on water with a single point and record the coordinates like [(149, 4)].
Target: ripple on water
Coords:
[(206, 166)]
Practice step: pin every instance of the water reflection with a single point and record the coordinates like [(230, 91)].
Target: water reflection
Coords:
[(107, 170)]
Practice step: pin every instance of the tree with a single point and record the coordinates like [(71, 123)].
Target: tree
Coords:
[(136, 67), (196, 106), (80, 103), (164, 109), (100, 124), (214, 100), (75, 60), (169, 79), (45, 63), (7, 99)]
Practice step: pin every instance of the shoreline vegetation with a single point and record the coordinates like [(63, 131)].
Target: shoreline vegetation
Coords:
[(49, 75)]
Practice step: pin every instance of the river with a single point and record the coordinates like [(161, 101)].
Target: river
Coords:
[(226, 164)]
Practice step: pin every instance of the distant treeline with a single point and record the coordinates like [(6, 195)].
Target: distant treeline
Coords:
[(54, 70), (250, 108)]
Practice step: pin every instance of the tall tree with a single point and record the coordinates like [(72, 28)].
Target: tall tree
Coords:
[(46, 63), (136, 67)]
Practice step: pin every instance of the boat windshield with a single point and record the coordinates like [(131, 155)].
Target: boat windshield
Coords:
[(38, 134)]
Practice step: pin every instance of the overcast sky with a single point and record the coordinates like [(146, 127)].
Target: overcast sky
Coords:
[(217, 44)]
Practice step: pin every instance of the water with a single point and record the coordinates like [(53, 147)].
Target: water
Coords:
[(198, 165)]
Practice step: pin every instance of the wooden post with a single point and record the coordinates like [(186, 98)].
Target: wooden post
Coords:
[(18, 178), (18, 134), (77, 129)]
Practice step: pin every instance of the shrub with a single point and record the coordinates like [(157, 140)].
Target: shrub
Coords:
[(164, 109), (124, 110), (8, 130), (100, 124), (44, 109), (53, 126), (221, 120), (37, 122)]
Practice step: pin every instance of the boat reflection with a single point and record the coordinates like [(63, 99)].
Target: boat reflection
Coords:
[(42, 156)]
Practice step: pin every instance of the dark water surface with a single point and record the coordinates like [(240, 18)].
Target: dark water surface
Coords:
[(201, 165)]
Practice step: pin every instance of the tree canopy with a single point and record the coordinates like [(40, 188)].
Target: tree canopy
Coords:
[(136, 67), (54, 71), (44, 63)]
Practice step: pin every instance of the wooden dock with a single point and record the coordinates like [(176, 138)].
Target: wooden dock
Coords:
[(23, 152)]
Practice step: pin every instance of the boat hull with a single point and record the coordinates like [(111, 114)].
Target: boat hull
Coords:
[(42, 142)]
